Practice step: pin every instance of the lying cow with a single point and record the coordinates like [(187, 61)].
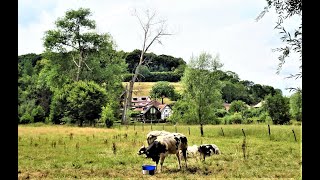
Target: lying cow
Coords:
[(164, 145), (208, 150)]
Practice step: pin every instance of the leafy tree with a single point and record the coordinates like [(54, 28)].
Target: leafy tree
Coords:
[(238, 106), (202, 88), (296, 106), (285, 10), (278, 108), (235, 91), (162, 89), (80, 101), (74, 34)]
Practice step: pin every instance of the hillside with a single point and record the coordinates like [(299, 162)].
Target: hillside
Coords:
[(143, 88)]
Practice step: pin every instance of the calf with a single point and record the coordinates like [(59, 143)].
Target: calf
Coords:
[(164, 145), (208, 150), (192, 151)]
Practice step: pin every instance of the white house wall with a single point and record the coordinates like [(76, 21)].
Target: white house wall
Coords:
[(166, 112)]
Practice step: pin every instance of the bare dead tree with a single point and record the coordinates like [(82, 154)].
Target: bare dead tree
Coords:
[(153, 31)]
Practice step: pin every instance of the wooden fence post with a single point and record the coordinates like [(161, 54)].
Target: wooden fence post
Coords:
[(175, 127), (162, 126), (243, 133), (189, 130), (201, 129), (222, 131), (294, 135), (269, 131)]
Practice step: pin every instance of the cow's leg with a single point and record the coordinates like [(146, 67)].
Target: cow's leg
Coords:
[(162, 157), (178, 157), (157, 161), (184, 152)]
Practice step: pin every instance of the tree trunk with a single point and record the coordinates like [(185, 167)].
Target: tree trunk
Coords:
[(79, 66), (128, 101)]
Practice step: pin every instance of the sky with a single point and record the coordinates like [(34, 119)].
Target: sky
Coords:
[(224, 28)]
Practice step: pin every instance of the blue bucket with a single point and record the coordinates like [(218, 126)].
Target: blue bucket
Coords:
[(148, 169)]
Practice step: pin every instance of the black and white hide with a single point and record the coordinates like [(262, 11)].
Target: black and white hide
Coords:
[(151, 136), (208, 150), (165, 145)]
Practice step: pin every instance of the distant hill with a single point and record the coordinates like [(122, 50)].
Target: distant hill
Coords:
[(143, 89)]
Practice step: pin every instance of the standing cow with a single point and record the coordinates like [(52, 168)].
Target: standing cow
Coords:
[(164, 145)]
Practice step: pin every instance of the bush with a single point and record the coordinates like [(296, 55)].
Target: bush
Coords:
[(236, 118), (237, 106), (29, 112), (38, 114), (26, 118), (251, 120), (221, 113), (216, 120), (264, 117), (67, 120), (107, 116), (80, 101)]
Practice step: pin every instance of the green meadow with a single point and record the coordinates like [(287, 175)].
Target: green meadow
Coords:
[(68, 152)]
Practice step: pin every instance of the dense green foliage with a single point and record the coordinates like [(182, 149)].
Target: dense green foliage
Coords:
[(80, 101), (201, 95), (238, 106), (156, 63), (277, 107), (70, 55), (296, 106), (163, 89), (75, 52)]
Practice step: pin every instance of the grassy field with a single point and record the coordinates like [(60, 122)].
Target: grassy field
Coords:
[(64, 152), (143, 89)]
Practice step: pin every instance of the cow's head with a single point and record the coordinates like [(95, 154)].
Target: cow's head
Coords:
[(142, 150), (154, 149), (206, 149)]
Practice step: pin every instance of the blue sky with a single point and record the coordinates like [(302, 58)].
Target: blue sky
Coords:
[(227, 28)]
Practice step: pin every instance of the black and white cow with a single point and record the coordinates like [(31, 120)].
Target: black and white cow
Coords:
[(208, 150), (164, 145), (151, 136)]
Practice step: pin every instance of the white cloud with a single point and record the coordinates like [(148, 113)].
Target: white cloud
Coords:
[(225, 27)]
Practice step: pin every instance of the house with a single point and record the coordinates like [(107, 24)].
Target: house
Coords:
[(140, 101), (226, 106), (259, 104), (165, 110), (150, 113)]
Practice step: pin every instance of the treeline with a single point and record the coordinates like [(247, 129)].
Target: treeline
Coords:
[(78, 79), (207, 88)]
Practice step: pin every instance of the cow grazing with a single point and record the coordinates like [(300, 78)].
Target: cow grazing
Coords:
[(151, 136), (208, 150), (164, 145)]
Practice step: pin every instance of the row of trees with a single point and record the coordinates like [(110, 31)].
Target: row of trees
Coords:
[(201, 101), (79, 75), (78, 79)]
